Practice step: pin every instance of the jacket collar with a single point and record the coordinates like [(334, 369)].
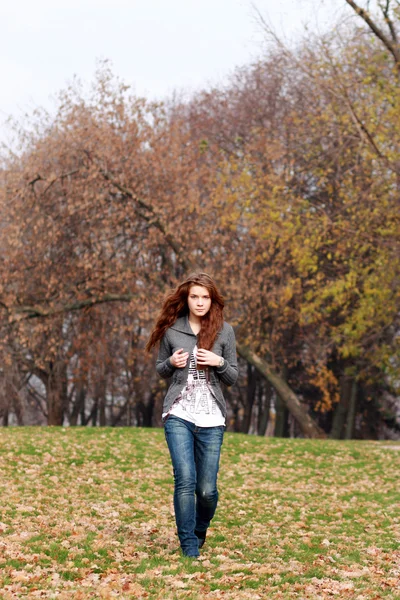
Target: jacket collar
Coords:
[(182, 325)]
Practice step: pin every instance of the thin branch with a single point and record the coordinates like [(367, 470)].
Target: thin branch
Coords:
[(38, 398), (361, 127), (385, 11), (37, 178), (366, 134), (153, 219), (33, 312), (377, 31)]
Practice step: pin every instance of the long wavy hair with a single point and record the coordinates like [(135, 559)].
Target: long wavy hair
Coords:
[(176, 305)]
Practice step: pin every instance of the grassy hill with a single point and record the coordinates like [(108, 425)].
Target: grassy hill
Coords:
[(87, 513)]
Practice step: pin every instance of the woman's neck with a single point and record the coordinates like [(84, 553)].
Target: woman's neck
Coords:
[(195, 323)]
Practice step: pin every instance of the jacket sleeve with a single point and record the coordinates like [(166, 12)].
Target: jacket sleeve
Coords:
[(228, 373), (163, 363)]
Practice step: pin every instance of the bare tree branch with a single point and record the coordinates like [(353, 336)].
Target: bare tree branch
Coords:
[(385, 10), (151, 218), (33, 312), (393, 49)]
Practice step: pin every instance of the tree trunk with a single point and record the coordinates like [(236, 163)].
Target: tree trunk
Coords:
[(129, 413), (235, 403), (102, 411), (281, 422), (94, 412), (100, 393), (282, 413), (148, 412), (138, 413), (123, 409), (56, 393), (351, 415), (307, 425), (82, 411), (18, 408), (78, 405), (342, 408), (236, 419), (263, 406), (250, 397)]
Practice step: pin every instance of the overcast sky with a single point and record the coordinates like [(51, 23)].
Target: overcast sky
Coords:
[(157, 46)]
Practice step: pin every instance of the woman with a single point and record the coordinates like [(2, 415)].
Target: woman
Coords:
[(198, 350)]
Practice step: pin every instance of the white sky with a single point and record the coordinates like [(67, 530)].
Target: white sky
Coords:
[(157, 46)]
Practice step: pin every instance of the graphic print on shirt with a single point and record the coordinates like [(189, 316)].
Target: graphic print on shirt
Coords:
[(196, 397)]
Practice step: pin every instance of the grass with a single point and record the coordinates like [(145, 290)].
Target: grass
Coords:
[(87, 513)]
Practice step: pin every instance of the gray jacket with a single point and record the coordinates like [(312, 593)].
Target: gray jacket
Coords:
[(180, 335)]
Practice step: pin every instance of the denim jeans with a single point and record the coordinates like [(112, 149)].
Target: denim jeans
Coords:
[(195, 453)]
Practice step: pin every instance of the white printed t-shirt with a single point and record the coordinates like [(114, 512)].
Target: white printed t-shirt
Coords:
[(196, 403)]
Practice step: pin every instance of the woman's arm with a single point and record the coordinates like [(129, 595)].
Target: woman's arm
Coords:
[(228, 373), (164, 366)]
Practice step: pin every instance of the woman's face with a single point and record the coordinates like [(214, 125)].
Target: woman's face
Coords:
[(199, 301)]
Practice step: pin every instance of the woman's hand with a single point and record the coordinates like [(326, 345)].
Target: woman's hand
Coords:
[(205, 358), (179, 359)]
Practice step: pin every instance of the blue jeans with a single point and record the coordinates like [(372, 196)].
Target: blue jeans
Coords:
[(195, 453)]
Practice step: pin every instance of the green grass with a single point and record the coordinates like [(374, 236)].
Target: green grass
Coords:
[(87, 513)]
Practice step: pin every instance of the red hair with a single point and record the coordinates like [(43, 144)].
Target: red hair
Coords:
[(176, 305)]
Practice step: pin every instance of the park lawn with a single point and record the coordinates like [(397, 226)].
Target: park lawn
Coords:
[(87, 513)]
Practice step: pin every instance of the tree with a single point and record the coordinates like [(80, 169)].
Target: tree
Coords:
[(112, 202)]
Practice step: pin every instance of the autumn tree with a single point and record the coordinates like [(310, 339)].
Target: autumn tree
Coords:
[(325, 193), (283, 184)]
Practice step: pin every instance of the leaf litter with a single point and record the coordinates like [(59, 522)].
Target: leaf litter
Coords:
[(87, 513)]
